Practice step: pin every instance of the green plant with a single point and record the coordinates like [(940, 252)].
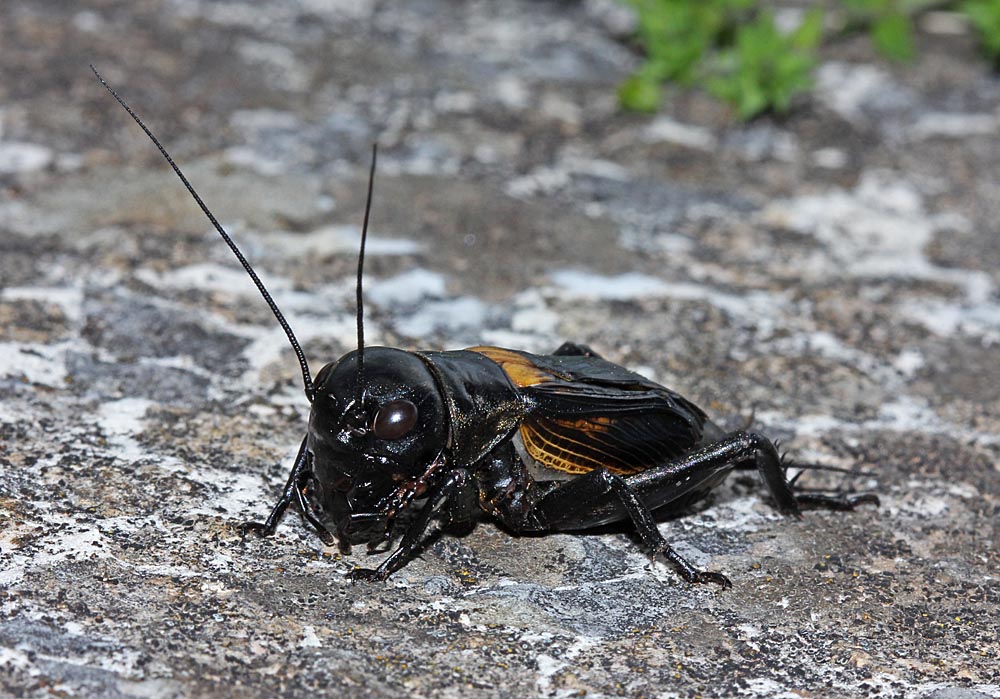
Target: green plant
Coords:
[(737, 52), (985, 18), (889, 24), (676, 35), (765, 68)]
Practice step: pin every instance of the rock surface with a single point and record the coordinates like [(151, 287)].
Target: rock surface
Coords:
[(835, 272)]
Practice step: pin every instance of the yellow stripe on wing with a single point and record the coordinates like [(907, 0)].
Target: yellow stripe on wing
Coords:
[(521, 370), (575, 446)]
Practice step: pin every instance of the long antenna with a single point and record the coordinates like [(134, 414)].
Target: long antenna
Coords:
[(361, 267), (306, 377)]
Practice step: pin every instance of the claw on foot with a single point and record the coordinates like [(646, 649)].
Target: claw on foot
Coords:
[(258, 528), (842, 503), (702, 576), (867, 499), (365, 575)]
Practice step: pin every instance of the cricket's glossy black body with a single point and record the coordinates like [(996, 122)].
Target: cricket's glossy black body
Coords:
[(598, 444), (391, 430)]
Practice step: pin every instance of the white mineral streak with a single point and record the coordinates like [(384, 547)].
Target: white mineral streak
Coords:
[(452, 315), (953, 125), (549, 666), (905, 414), (35, 363), (405, 290), (207, 276), (847, 88), (120, 422), (17, 158), (760, 307), (880, 229), (336, 240), (667, 130)]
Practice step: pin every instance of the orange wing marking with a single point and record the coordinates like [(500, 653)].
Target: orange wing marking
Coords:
[(521, 370), (551, 443)]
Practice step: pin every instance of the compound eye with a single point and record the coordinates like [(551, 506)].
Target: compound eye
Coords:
[(395, 419)]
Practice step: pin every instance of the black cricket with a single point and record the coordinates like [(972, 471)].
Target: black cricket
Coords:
[(560, 442)]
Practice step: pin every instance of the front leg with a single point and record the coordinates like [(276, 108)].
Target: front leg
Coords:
[(455, 482), (294, 490)]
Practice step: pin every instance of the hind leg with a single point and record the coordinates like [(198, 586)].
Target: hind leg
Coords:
[(573, 349), (599, 496)]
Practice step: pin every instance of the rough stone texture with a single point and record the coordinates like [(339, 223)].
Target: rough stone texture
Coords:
[(835, 271)]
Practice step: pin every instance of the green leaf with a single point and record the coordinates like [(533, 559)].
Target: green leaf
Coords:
[(733, 49), (985, 18), (640, 94), (892, 36), (751, 99), (765, 69), (809, 33), (867, 9)]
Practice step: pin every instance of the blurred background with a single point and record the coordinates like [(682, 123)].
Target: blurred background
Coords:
[(788, 210)]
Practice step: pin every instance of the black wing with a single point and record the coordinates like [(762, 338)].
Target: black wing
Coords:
[(588, 413)]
